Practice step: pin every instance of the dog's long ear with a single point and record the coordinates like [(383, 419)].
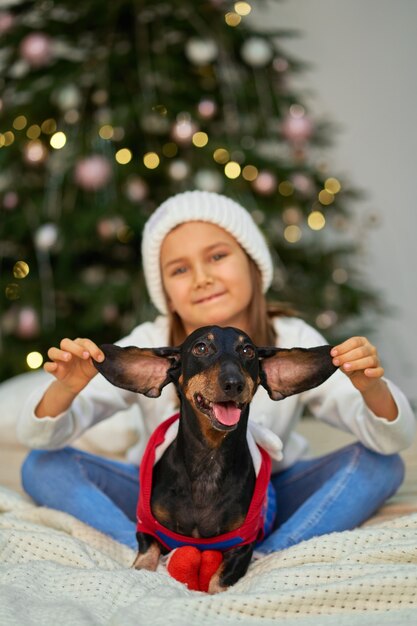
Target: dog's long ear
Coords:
[(286, 372), (143, 370)]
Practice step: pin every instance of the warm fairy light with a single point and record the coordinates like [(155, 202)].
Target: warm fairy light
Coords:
[(232, 169), (106, 131), (33, 132), (243, 8), (35, 151), (8, 138), (340, 275), (316, 220), (332, 185), (151, 160), (48, 126), (20, 122), (58, 140), (2, 140), (12, 291), (221, 155), (292, 215), (232, 19), (20, 269), (325, 197), (72, 116), (200, 139), (250, 172), (286, 188), (170, 149), (292, 233), (34, 360), (124, 156)]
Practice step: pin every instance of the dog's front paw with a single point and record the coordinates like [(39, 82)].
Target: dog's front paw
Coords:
[(215, 586), (148, 560)]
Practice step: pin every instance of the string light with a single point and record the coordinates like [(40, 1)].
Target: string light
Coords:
[(286, 188), (232, 19), (58, 140), (20, 269), (20, 122), (250, 172), (33, 132), (12, 291), (106, 131), (123, 156), (326, 197), (221, 155), (151, 160), (243, 8), (316, 220), (34, 360), (8, 138), (232, 169), (292, 233), (332, 185), (200, 139), (48, 126), (340, 275)]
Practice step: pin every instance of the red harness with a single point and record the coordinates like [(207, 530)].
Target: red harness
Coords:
[(251, 530)]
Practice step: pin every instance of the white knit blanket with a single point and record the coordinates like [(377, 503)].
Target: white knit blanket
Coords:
[(56, 570)]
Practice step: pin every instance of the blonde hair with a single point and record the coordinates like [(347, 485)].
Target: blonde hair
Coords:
[(260, 314)]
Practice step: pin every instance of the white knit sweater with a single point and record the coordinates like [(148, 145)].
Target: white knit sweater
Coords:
[(336, 402)]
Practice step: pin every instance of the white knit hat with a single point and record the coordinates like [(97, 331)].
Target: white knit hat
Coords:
[(206, 207)]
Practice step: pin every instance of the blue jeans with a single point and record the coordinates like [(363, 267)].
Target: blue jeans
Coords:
[(335, 492)]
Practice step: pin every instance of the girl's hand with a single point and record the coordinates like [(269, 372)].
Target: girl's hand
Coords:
[(71, 363), (358, 359)]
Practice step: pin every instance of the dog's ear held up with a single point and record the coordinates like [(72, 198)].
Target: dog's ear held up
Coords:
[(285, 372), (142, 370)]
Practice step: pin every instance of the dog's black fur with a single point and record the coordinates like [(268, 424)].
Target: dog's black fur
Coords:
[(203, 484)]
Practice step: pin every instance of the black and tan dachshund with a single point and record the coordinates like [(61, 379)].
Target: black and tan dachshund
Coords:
[(202, 486)]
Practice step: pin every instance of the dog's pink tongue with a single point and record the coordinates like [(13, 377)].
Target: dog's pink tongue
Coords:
[(226, 413)]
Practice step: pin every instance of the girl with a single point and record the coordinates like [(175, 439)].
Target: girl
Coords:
[(206, 262)]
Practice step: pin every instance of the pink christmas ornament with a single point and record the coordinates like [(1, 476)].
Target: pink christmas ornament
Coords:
[(183, 131), (6, 22), (136, 189), (108, 228), (207, 108), (27, 323), (265, 183), (93, 172), (10, 200), (36, 49), (303, 184), (297, 128)]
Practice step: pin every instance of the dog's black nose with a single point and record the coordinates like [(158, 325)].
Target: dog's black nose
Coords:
[(231, 380)]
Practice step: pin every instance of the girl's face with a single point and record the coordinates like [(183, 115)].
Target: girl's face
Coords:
[(206, 276)]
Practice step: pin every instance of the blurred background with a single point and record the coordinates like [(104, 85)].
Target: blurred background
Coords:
[(302, 110)]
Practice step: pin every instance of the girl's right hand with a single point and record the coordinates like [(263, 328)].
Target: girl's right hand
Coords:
[(71, 363)]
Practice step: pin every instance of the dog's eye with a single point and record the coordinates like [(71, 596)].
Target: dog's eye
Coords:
[(247, 351), (200, 349)]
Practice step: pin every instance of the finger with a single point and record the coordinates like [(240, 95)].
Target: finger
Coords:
[(369, 362), (74, 347), (55, 354), (50, 367), (374, 372), (349, 344), (92, 349), (354, 355)]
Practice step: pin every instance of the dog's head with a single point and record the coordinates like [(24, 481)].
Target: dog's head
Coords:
[(216, 371)]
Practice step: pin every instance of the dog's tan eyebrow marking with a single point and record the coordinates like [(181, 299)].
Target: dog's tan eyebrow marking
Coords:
[(241, 338), (210, 337)]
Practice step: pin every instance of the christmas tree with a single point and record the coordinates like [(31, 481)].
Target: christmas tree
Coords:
[(108, 109)]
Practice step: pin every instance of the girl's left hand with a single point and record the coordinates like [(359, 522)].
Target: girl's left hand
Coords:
[(359, 360)]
